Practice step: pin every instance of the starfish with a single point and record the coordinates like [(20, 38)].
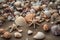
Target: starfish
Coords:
[(34, 23), (13, 27)]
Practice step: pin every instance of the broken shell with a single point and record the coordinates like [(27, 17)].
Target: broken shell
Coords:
[(17, 35), (20, 21), (2, 31), (39, 35), (30, 32), (6, 35), (45, 27), (29, 17), (55, 29)]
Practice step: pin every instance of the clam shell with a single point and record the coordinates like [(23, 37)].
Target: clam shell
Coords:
[(39, 35)]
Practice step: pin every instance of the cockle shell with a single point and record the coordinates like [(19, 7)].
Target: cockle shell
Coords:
[(6, 35), (20, 21), (29, 17), (17, 35), (2, 31), (30, 32), (55, 29), (45, 27), (39, 35)]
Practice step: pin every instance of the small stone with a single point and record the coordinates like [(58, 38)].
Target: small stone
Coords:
[(20, 31), (39, 35), (17, 35), (30, 32)]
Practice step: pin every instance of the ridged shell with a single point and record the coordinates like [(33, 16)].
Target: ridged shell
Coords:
[(20, 21)]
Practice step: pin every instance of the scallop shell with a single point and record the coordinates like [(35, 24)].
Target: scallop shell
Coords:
[(6, 35), (20, 21), (17, 35), (39, 35)]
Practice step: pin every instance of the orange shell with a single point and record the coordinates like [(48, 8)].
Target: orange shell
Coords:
[(2, 31), (29, 17), (45, 27)]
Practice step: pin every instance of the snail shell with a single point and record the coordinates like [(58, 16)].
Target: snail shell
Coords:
[(45, 27), (17, 35), (2, 31), (6, 35), (39, 35)]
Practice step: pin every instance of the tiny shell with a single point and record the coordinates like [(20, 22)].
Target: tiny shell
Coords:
[(39, 35), (6, 35), (17, 35), (45, 27), (30, 32)]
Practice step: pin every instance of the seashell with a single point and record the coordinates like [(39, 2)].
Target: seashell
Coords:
[(47, 13), (2, 31), (6, 35), (20, 21), (16, 13), (17, 4), (9, 18), (45, 27), (29, 17), (30, 32), (17, 35), (39, 35), (5, 5), (20, 31), (55, 29), (36, 8)]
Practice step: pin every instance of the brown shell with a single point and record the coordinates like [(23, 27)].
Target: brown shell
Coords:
[(2, 31), (7, 35), (29, 17), (36, 7), (45, 27)]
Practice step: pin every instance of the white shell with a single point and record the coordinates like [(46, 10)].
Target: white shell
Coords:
[(17, 4), (17, 35), (39, 35), (16, 13), (20, 21), (47, 13), (30, 32)]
